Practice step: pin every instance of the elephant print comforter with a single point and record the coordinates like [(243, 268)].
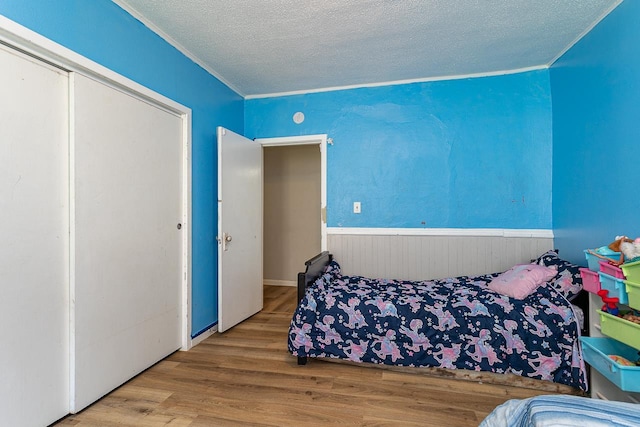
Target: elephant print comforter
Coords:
[(456, 323)]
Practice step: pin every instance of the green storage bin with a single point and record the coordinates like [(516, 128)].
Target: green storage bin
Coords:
[(620, 329), (633, 292), (631, 271)]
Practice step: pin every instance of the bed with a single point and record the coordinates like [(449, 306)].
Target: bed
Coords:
[(541, 411), (454, 323)]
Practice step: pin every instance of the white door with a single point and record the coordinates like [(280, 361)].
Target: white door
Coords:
[(239, 228), (126, 243), (34, 254)]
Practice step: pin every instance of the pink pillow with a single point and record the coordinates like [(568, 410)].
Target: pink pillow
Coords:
[(522, 280)]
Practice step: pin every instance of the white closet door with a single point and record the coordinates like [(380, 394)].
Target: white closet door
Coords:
[(34, 230), (126, 243)]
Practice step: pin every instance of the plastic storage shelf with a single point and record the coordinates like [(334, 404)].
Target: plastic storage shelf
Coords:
[(633, 292), (616, 287), (593, 261), (590, 280), (596, 352), (632, 271), (611, 270), (620, 329)]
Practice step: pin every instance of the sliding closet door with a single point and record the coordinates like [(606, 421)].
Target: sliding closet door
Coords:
[(126, 238), (34, 226)]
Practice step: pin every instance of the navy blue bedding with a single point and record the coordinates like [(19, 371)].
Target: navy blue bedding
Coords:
[(455, 323)]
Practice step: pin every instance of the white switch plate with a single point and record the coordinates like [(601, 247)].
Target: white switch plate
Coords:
[(356, 207)]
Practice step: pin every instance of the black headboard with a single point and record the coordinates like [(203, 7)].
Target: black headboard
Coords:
[(314, 268)]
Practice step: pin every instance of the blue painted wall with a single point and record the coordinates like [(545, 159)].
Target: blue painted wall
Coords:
[(101, 31), (459, 153), (596, 135)]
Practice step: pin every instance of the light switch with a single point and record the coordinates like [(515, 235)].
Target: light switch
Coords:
[(356, 207)]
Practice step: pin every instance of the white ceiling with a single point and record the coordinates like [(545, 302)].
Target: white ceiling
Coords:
[(261, 47)]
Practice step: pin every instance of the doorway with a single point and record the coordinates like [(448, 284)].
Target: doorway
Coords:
[(294, 204)]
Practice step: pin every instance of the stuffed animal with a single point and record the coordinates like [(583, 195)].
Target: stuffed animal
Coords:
[(629, 249), (621, 360)]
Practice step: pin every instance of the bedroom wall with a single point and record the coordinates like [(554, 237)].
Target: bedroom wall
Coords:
[(467, 153), (596, 98), (103, 32), (444, 170)]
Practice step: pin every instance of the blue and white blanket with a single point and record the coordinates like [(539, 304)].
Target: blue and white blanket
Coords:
[(566, 411), (455, 323)]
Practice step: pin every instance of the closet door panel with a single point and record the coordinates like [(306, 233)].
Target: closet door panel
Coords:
[(126, 243), (34, 225)]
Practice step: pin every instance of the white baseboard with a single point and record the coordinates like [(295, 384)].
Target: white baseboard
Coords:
[(271, 282)]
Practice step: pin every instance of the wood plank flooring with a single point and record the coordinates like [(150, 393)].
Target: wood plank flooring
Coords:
[(245, 376)]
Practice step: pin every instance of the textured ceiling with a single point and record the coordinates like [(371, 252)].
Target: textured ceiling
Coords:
[(263, 47)]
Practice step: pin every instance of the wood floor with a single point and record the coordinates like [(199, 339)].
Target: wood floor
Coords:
[(245, 376)]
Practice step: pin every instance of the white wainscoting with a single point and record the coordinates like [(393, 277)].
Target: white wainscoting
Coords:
[(416, 254)]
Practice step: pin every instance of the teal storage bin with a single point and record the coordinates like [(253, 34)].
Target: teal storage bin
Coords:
[(616, 287), (596, 352), (593, 260)]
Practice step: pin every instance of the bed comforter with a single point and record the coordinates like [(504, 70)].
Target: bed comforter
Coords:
[(455, 323), (554, 411)]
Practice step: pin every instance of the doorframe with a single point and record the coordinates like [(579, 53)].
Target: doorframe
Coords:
[(321, 140), (38, 46)]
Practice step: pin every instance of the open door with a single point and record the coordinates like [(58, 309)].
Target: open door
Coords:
[(239, 228)]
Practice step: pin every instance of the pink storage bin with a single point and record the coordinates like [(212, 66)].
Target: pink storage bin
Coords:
[(611, 270), (590, 280)]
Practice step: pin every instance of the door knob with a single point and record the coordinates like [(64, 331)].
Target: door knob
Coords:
[(227, 238)]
